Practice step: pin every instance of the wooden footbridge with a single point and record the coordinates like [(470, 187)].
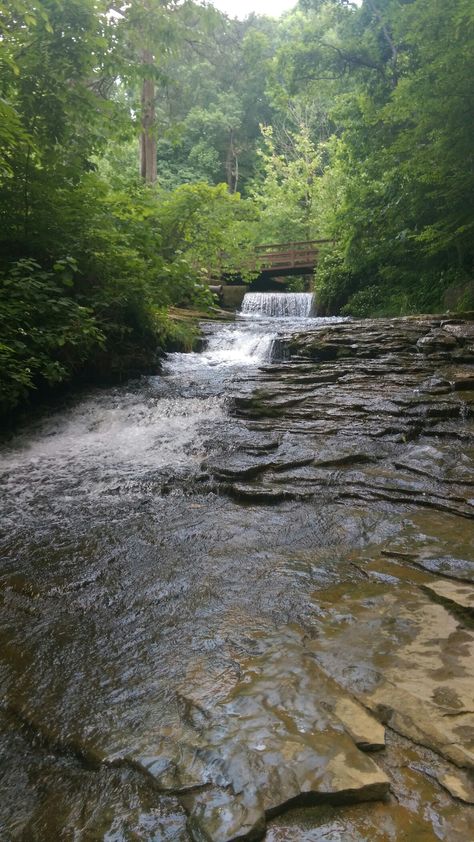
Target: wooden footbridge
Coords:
[(283, 259), (270, 260)]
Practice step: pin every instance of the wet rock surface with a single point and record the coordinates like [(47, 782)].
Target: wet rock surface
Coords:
[(286, 734), (240, 606), (377, 420), (409, 661)]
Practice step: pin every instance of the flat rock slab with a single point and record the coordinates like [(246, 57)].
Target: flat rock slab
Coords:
[(463, 380), (459, 594), (453, 568), (437, 339), (372, 414), (366, 731), (285, 736), (461, 330), (459, 784), (219, 816), (407, 659)]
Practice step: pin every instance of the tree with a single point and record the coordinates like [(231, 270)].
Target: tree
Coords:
[(286, 190), (147, 28), (401, 158), (211, 97)]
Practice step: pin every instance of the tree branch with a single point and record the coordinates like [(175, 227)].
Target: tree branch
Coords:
[(388, 37)]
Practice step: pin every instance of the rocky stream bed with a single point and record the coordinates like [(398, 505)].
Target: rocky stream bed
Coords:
[(238, 600)]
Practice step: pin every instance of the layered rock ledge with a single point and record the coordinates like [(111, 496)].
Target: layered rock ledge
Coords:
[(275, 641), (377, 415), (370, 411)]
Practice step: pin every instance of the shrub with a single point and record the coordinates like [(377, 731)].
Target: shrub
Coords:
[(46, 335)]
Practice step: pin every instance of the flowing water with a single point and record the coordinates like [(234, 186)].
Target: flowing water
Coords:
[(120, 439), (139, 598), (298, 305)]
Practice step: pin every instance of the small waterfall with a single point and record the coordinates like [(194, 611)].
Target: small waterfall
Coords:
[(252, 339), (239, 345), (296, 305)]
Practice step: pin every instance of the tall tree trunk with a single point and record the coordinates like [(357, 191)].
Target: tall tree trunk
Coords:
[(232, 165), (148, 140)]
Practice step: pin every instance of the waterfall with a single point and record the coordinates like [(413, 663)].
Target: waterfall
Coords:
[(252, 339), (240, 344), (296, 305)]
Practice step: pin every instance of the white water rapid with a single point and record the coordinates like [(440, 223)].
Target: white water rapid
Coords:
[(250, 339), (129, 435)]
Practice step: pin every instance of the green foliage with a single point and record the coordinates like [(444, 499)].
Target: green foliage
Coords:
[(176, 334), (367, 116), (334, 282), (286, 191), (69, 186), (401, 184), (364, 303), (296, 283), (46, 335), (212, 97), (207, 229)]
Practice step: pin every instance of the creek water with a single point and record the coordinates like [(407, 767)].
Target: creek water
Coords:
[(125, 438), (121, 579), (279, 304), (137, 595)]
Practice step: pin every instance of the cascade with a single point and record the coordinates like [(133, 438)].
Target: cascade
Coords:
[(297, 305)]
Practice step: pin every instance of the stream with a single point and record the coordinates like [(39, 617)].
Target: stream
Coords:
[(236, 596)]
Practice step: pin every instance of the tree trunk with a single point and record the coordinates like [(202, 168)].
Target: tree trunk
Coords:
[(232, 165), (148, 140)]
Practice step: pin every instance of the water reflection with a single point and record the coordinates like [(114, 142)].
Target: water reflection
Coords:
[(156, 634)]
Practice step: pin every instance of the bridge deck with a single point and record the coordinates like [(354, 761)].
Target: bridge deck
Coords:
[(297, 258)]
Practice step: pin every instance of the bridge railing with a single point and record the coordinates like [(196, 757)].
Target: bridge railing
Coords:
[(287, 255), (271, 257)]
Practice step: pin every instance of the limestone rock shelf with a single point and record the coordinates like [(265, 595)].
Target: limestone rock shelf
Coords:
[(236, 603)]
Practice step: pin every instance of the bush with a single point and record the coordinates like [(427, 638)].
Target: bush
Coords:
[(364, 303), (334, 283), (46, 335)]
